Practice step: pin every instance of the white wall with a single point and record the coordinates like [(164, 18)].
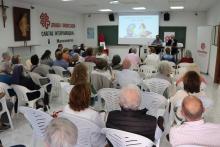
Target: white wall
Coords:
[(213, 19), (7, 34), (187, 19)]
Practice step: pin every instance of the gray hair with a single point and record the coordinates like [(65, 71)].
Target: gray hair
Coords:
[(188, 54), (5, 54), (134, 50), (61, 133), (130, 97), (164, 68)]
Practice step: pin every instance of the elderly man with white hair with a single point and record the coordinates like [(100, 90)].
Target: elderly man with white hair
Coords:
[(130, 118), (61, 133)]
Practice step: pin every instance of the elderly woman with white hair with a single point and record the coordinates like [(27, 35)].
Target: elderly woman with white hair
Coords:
[(61, 133), (130, 118), (164, 71)]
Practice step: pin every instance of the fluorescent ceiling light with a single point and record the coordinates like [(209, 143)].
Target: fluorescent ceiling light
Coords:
[(176, 7), (105, 10), (114, 2), (139, 8), (67, 0)]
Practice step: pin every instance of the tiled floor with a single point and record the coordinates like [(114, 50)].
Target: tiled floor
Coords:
[(22, 133)]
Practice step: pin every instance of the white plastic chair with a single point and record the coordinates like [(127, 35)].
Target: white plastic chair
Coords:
[(38, 120), (6, 87), (155, 103), (88, 132), (156, 85), (55, 81), (28, 64), (21, 93), (5, 110), (154, 63), (90, 66), (120, 138), (111, 98), (148, 71), (60, 71), (190, 146), (70, 69)]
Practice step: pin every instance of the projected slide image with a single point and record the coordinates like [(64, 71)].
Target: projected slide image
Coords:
[(138, 27)]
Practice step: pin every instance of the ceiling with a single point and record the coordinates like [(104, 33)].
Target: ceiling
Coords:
[(91, 6)]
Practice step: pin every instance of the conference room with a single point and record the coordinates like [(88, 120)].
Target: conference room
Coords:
[(109, 73)]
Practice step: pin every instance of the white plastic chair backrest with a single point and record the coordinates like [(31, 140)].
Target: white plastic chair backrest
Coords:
[(157, 85), (135, 68), (86, 130), (100, 81), (5, 88), (58, 70), (39, 120), (148, 70), (190, 146), (120, 138), (70, 69), (90, 66), (20, 91), (111, 97), (153, 102), (3, 104), (185, 64), (35, 77), (154, 63)]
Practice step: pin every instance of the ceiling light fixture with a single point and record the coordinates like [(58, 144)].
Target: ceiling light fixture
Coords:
[(176, 7), (139, 8), (114, 2), (67, 0), (105, 10)]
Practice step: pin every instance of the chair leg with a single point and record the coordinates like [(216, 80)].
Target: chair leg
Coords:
[(9, 118)]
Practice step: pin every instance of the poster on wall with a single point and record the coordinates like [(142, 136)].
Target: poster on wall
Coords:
[(22, 25), (167, 36), (90, 33)]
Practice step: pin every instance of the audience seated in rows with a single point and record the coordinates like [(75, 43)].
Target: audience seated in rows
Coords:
[(60, 61), (187, 58), (133, 57), (167, 56), (130, 118), (46, 58), (61, 133), (116, 60), (191, 82), (41, 69), (90, 57), (164, 71), (195, 131), (79, 100), (127, 76)]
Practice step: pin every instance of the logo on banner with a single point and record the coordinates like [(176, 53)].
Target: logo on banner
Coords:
[(44, 20), (202, 48)]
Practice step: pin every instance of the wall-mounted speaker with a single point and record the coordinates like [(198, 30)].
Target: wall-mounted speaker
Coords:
[(166, 16), (111, 17)]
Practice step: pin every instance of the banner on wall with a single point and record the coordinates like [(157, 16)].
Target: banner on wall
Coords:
[(204, 35), (167, 36)]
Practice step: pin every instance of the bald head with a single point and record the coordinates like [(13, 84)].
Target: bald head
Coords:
[(192, 108), (130, 97)]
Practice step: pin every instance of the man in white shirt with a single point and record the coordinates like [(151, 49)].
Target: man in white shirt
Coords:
[(195, 131), (152, 58)]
